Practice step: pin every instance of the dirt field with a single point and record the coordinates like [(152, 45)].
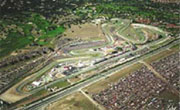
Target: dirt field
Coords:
[(76, 101), (103, 84), (161, 55), (11, 95), (151, 35), (83, 76), (85, 31), (59, 75), (74, 79)]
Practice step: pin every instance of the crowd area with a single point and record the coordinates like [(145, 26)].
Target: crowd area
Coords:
[(169, 67), (134, 92)]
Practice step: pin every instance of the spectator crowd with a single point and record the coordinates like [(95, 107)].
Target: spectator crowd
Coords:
[(169, 67), (133, 92)]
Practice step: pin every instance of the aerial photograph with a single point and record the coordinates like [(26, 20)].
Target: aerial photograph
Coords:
[(89, 54)]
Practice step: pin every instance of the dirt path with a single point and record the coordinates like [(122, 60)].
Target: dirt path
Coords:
[(94, 102), (160, 76), (155, 72)]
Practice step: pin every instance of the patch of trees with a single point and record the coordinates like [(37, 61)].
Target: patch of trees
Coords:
[(12, 60)]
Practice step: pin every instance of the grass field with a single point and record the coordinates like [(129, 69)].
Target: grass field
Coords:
[(162, 54), (60, 84), (175, 47), (135, 33), (158, 56), (76, 101)]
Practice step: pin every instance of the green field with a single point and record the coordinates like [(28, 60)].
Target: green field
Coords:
[(60, 84), (22, 34), (134, 34)]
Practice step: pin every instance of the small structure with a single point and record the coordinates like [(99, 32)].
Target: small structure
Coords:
[(36, 83)]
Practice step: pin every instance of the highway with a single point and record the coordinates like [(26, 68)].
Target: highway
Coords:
[(19, 89), (86, 82), (89, 56), (43, 102), (39, 73)]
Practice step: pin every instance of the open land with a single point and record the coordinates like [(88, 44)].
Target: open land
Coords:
[(76, 101), (91, 56), (87, 31), (98, 60)]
